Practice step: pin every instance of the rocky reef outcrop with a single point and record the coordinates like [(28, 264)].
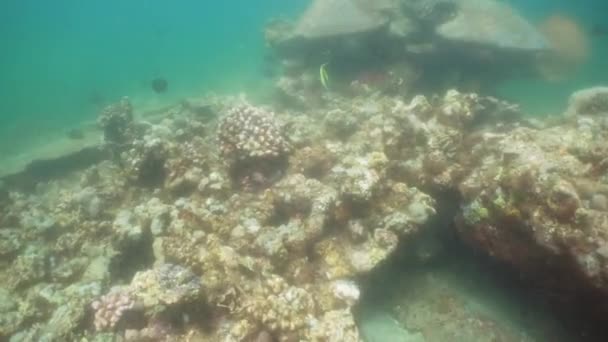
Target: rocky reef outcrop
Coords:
[(396, 46), (224, 220), (161, 240), (328, 18), (116, 121), (536, 199), (176, 248), (492, 24)]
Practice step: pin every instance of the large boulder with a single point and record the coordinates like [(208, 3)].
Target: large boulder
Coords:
[(430, 12), (537, 200), (589, 102), (329, 18), (491, 23)]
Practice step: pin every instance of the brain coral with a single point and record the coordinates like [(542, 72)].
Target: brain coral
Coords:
[(248, 132)]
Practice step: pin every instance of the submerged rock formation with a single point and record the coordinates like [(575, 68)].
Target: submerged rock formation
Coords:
[(225, 221), (116, 121), (327, 18), (536, 199), (493, 24), (282, 263), (378, 44)]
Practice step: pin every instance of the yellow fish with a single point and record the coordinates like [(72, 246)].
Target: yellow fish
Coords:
[(323, 76)]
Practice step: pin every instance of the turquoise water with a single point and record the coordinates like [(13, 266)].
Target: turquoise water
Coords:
[(64, 60), (61, 58), (539, 97)]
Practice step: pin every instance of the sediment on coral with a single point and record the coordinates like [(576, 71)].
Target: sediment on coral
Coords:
[(167, 239), (303, 240), (224, 220)]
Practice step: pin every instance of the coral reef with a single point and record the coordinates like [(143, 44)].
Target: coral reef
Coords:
[(254, 145), (589, 102), (157, 242), (220, 220), (116, 122), (395, 46), (247, 132), (110, 308), (535, 199), (165, 285)]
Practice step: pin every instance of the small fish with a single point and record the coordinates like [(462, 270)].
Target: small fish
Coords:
[(159, 85), (323, 76)]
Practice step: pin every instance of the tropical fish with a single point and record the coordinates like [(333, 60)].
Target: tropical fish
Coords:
[(159, 85), (323, 76)]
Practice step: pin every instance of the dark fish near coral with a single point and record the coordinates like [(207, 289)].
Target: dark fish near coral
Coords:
[(159, 85)]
